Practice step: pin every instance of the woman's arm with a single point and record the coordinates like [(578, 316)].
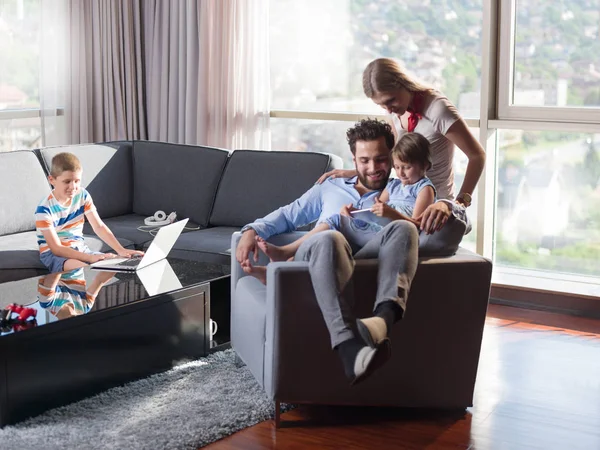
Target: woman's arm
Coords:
[(460, 135)]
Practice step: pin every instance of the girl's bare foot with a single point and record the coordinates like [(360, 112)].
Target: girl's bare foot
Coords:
[(274, 252), (258, 272)]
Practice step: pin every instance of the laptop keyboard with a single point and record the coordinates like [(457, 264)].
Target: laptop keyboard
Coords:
[(132, 262)]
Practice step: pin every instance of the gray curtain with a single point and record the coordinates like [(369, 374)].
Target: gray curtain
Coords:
[(185, 71), (105, 93)]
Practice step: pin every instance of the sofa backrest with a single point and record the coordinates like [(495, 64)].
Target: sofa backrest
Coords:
[(23, 185), (174, 177), (257, 182), (107, 172)]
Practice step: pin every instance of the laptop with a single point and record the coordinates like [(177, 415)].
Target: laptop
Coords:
[(158, 250), (159, 278)]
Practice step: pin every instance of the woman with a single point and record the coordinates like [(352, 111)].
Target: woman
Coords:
[(416, 107)]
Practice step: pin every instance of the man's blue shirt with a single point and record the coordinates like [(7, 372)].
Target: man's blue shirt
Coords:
[(320, 202), (317, 204)]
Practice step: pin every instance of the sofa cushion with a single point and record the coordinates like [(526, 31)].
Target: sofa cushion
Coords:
[(173, 177), (125, 227), (20, 250), (96, 244), (257, 182), (209, 245), (23, 185), (107, 172)]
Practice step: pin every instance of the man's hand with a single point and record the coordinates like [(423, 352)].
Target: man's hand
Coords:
[(337, 173), (345, 211), (434, 217), (382, 209), (246, 245)]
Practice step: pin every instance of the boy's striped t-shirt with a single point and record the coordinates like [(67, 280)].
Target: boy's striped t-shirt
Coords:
[(68, 297), (66, 220)]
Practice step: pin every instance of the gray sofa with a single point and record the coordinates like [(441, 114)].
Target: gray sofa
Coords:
[(219, 191)]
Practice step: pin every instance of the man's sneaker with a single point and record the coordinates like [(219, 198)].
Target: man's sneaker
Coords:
[(368, 360), (372, 330)]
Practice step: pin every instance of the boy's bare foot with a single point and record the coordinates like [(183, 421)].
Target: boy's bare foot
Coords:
[(258, 272), (274, 252)]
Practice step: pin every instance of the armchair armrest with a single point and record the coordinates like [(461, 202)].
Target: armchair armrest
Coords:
[(236, 269)]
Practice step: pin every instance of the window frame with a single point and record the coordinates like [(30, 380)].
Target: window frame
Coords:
[(506, 57)]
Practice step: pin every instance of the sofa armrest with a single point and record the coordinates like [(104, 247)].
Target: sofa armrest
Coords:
[(236, 270)]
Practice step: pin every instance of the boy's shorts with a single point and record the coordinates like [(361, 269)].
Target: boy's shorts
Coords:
[(57, 263)]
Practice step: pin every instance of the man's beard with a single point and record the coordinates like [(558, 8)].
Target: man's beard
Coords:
[(374, 185)]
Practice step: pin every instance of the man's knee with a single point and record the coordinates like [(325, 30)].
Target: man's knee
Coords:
[(403, 228), (325, 241)]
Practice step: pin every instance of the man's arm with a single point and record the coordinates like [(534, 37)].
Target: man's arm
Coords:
[(300, 212)]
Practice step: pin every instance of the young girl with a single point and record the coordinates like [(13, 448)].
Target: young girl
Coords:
[(404, 198)]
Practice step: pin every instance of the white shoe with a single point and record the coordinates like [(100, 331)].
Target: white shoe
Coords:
[(373, 330)]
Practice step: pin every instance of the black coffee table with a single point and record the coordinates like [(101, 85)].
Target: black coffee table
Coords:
[(126, 327)]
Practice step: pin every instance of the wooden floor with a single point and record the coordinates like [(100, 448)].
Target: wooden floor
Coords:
[(538, 387)]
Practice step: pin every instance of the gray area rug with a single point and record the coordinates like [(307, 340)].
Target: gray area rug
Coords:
[(187, 407)]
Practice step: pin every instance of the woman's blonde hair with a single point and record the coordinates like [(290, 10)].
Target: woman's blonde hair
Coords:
[(386, 75)]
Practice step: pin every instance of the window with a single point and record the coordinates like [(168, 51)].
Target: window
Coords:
[(30, 46), (321, 69), (550, 55), (548, 201)]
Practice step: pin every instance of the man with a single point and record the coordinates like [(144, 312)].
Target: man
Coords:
[(330, 258)]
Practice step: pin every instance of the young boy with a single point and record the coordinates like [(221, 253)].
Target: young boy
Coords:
[(404, 198), (59, 220)]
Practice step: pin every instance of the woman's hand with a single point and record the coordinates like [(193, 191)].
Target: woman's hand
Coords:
[(337, 173), (434, 217)]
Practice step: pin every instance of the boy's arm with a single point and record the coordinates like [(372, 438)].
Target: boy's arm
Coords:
[(58, 249), (104, 233)]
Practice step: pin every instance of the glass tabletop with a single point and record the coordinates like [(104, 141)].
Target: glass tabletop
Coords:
[(42, 300)]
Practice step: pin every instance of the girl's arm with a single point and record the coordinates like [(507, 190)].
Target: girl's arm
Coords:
[(384, 210), (384, 196), (425, 198)]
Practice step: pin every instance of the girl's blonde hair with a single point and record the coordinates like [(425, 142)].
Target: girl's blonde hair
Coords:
[(386, 75)]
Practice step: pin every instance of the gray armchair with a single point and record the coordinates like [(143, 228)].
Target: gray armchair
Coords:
[(278, 331)]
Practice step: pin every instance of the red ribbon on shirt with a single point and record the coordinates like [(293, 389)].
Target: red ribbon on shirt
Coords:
[(414, 117)]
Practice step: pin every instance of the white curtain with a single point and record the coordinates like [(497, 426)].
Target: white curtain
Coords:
[(53, 70), (235, 80), (186, 71)]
